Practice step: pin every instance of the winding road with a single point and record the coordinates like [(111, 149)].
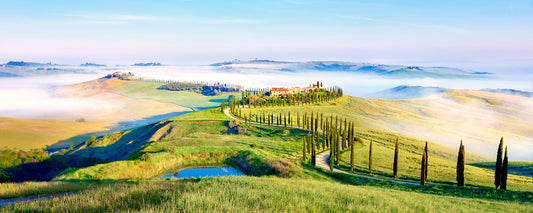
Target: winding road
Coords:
[(323, 158)]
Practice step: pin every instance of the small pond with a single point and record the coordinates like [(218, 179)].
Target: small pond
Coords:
[(204, 172)]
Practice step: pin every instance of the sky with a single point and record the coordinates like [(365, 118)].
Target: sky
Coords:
[(469, 34)]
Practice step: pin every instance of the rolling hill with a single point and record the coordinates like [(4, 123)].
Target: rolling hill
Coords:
[(27, 134), (388, 71), (478, 118)]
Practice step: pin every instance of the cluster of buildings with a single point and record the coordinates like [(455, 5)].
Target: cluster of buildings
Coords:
[(279, 91)]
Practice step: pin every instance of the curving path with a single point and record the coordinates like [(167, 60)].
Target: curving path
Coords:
[(323, 158), (10, 201)]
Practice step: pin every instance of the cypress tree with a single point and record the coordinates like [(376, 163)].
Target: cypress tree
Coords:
[(337, 147), (331, 158), (370, 158), (313, 150), (395, 166), (461, 166), (497, 172), (304, 151), (423, 169), (352, 156), (426, 163), (309, 143), (504, 171), (297, 119)]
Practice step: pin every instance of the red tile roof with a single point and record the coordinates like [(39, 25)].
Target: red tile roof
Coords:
[(279, 90)]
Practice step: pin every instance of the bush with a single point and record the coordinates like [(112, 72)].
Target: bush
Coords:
[(232, 124), (241, 131), (146, 157)]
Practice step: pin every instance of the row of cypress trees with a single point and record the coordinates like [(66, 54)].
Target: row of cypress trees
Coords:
[(331, 133), (500, 172)]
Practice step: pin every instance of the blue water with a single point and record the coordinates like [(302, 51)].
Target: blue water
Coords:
[(204, 172)]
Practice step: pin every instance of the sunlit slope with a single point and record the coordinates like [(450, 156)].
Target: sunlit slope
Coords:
[(200, 137), (37, 133), (132, 103), (90, 87), (148, 90), (118, 110), (479, 118)]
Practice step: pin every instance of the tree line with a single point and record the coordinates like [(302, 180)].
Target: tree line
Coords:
[(256, 99), (202, 88)]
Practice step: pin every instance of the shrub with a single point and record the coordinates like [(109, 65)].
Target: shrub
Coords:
[(233, 123)]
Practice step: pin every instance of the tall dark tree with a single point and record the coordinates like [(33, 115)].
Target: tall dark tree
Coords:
[(497, 172), (461, 165), (352, 154), (426, 163), (331, 158), (370, 158), (504, 171), (313, 150), (395, 166), (304, 150), (423, 169)]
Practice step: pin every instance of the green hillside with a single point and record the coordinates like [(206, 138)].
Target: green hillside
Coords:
[(148, 90), (129, 181), (478, 118)]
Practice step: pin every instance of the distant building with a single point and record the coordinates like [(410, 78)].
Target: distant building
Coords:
[(278, 91)]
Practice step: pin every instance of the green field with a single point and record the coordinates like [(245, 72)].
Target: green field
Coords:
[(148, 90), (265, 194), (442, 159), (478, 118), (28, 134), (277, 179)]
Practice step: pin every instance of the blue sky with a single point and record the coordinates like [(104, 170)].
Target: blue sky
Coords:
[(187, 32)]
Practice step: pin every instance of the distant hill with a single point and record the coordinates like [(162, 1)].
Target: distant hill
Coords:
[(148, 64), (391, 71), (22, 64), (510, 92), (87, 64), (407, 92), (22, 69)]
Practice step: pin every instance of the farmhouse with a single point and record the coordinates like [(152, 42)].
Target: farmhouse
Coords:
[(279, 91)]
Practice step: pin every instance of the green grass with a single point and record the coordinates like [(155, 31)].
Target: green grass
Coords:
[(524, 168), (204, 115), (13, 190), (442, 159), (183, 143), (148, 90), (265, 194)]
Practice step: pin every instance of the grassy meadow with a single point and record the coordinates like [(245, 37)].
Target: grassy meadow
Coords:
[(259, 194), (186, 141), (148, 90), (478, 118), (276, 181), (25, 134), (442, 159)]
